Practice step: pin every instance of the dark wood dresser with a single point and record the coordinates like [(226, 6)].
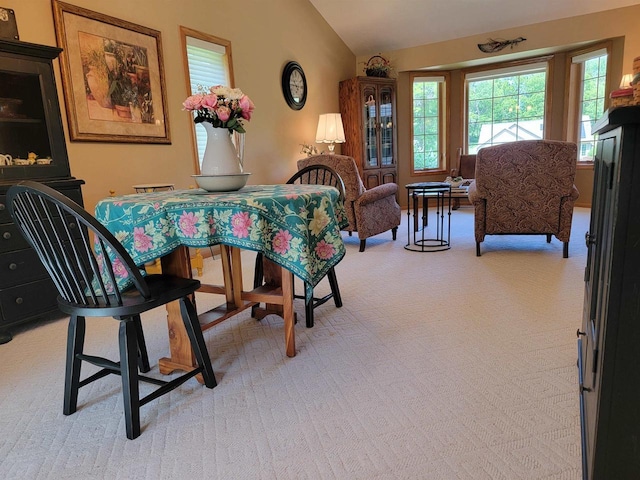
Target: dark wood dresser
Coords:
[(30, 122)]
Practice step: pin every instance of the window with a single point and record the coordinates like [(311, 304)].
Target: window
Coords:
[(505, 105), (208, 63), (428, 122), (587, 99)]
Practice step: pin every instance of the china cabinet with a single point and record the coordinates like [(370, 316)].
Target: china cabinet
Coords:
[(609, 338), (368, 109), (32, 145)]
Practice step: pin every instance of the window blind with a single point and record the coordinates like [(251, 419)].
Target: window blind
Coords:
[(208, 66)]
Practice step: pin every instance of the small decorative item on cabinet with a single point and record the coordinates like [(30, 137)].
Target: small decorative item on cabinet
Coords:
[(9, 107), (377, 66), (621, 97)]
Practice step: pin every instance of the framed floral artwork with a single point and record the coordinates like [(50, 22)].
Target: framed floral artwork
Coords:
[(112, 77)]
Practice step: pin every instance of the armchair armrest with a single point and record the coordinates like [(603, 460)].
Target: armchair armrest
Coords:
[(381, 191)]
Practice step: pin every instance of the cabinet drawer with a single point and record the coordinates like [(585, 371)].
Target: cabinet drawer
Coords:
[(20, 267), (5, 217), (11, 238), (73, 193), (28, 300)]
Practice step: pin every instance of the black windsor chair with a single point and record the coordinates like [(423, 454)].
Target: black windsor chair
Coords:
[(310, 175), (58, 230)]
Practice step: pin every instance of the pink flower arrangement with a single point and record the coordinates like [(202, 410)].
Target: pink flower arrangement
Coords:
[(222, 107)]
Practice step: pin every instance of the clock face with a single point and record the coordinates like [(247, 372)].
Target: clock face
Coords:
[(294, 85)]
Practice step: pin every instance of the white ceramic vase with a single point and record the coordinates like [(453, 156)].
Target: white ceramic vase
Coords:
[(220, 155)]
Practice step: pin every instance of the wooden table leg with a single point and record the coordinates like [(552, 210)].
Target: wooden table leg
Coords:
[(178, 263), (181, 356), (288, 315), (277, 295)]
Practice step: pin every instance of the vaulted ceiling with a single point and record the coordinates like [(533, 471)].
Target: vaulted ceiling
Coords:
[(371, 26)]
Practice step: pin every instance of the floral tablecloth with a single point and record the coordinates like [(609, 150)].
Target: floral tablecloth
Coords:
[(295, 226)]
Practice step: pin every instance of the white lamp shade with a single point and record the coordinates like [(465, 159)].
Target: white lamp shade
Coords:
[(330, 129), (627, 78)]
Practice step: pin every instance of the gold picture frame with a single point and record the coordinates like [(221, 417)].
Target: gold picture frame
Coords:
[(112, 77)]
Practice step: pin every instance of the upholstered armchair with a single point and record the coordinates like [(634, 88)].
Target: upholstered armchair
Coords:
[(466, 167), (370, 212), (525, 187)]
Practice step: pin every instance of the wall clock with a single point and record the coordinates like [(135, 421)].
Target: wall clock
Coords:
[(294, 85)]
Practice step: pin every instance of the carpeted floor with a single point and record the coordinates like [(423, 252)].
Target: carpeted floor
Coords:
[(439, 366)]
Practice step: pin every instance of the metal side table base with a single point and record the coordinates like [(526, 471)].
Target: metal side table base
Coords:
[(417, 241)]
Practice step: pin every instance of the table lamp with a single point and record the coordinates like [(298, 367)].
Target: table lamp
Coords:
[(627, 78), (330, 130)]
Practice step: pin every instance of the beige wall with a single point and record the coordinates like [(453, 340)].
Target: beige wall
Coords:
[(541, 38), (264, 35)]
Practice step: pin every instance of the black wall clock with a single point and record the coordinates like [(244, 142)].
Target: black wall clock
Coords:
[(294, 85)]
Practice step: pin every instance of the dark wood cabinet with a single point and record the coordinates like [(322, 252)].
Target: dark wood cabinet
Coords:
[(30, 122), (609, 339), (368, 109)]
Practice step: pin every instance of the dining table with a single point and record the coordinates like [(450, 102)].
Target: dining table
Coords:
[(296, 227)]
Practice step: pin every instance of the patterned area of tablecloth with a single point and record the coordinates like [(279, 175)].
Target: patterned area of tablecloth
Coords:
[(295, 226)]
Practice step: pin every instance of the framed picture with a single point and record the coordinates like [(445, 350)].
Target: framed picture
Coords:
[(112, 77)]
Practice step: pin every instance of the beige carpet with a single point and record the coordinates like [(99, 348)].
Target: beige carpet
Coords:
[(439, 366)]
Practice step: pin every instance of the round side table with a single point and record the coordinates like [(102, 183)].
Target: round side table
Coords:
[(152, 187), (418, 241)]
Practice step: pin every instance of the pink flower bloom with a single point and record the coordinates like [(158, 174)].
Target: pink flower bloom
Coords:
[(223, 113), (187, 224), (240, 224), (291, 196), (209, 101), (118, 269), (325, 250), (194, 102), (141, 241), (220, 105), (281, 242), (247, 107)]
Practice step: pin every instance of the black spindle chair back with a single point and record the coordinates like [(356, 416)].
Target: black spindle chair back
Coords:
[(310, 175), (60, 232)]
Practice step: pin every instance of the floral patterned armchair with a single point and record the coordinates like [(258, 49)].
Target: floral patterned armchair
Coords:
[(525, 187), (370, 212)]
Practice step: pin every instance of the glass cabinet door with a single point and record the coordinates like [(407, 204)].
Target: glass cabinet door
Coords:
[(22, 125), (386, 126), (30, 121), (370, 118)]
